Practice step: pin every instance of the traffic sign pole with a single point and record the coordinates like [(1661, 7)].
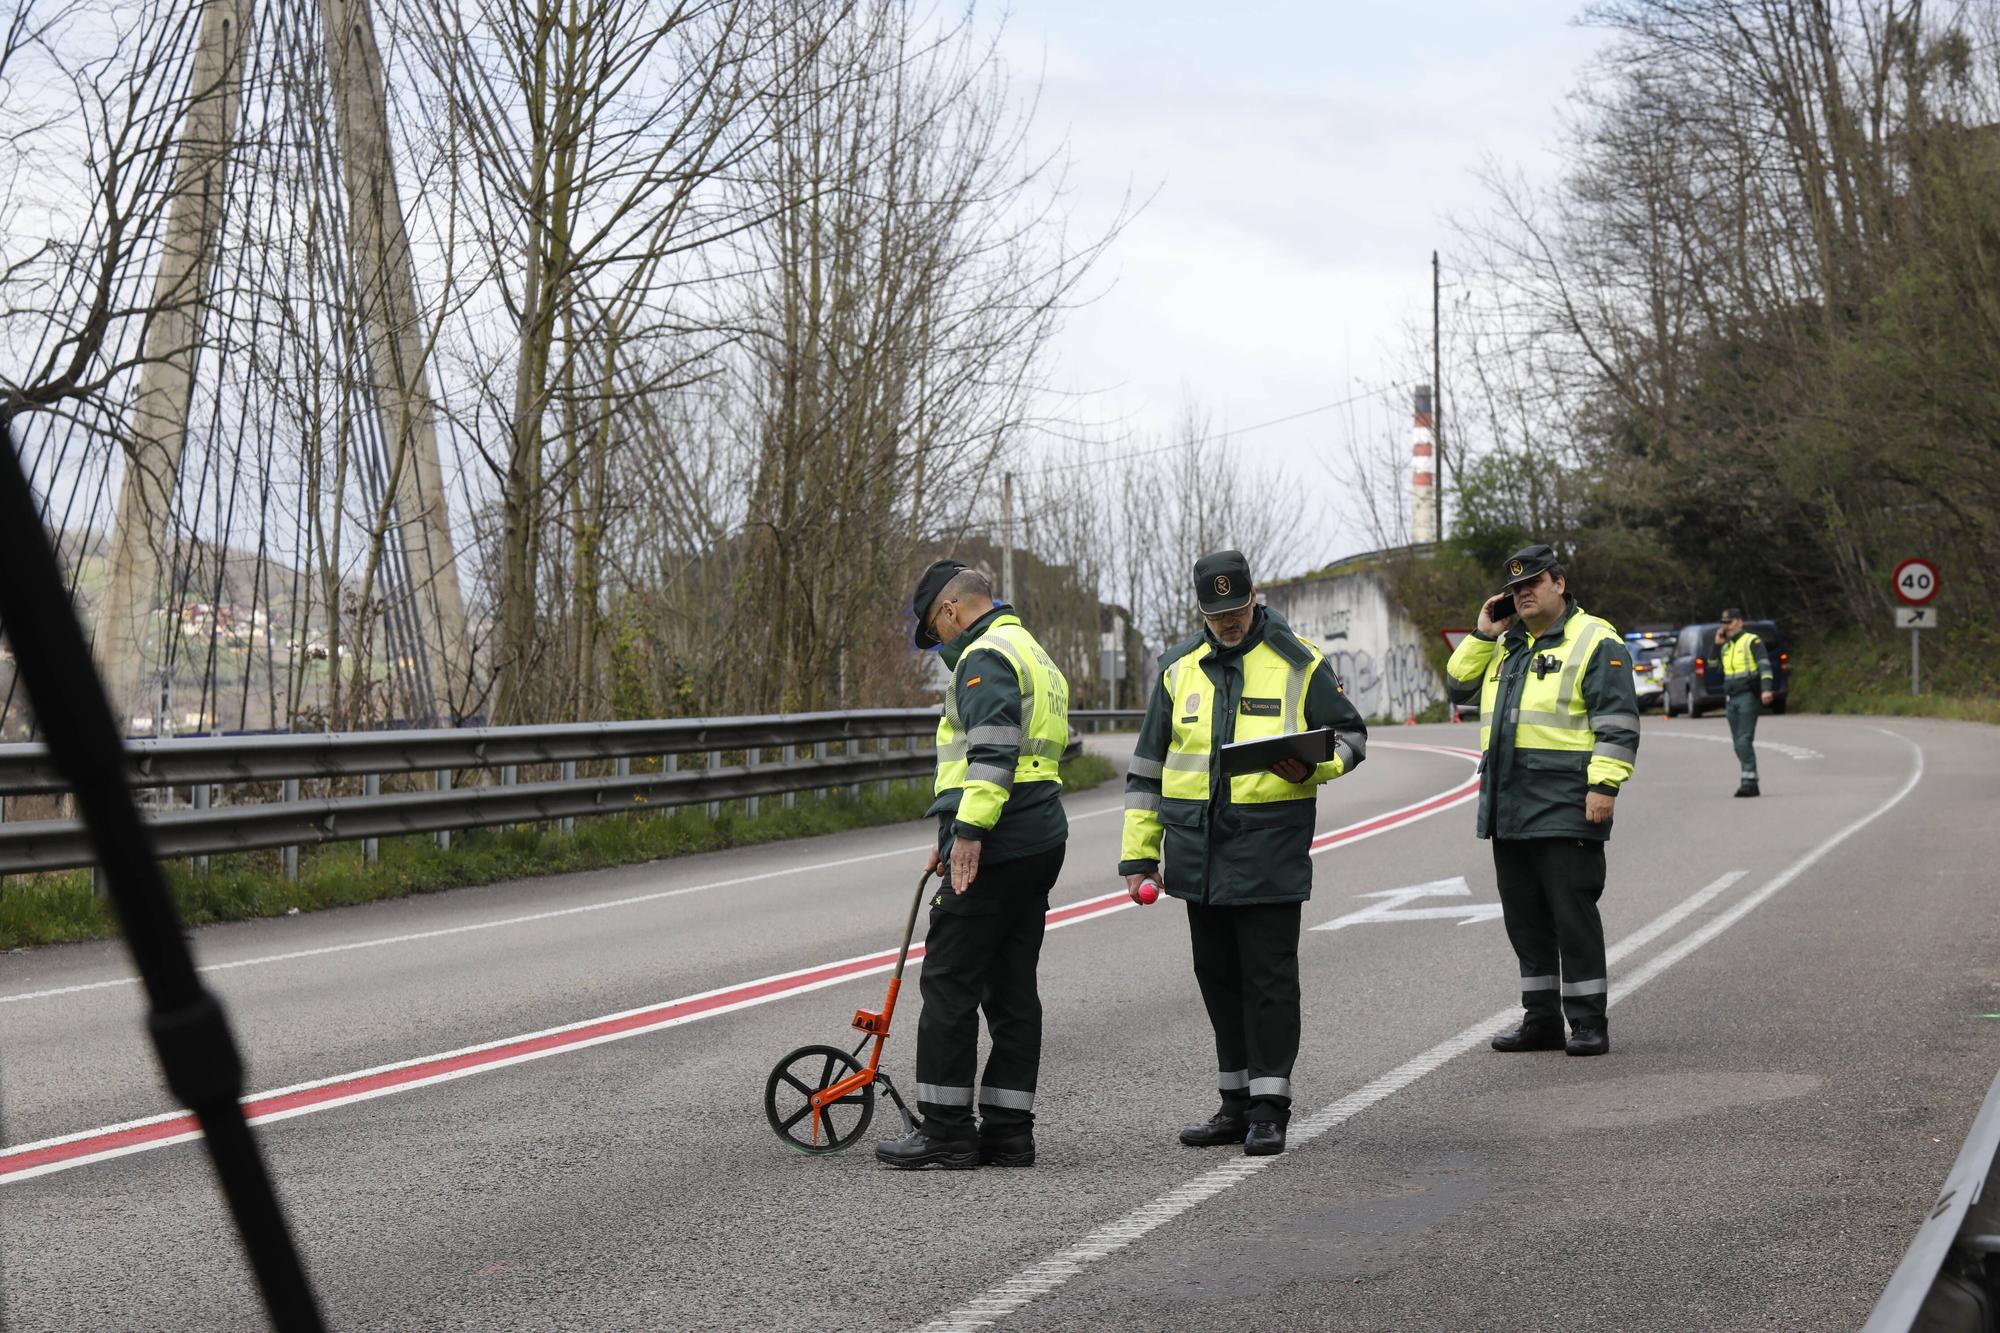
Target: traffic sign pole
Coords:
[(1916, 637)]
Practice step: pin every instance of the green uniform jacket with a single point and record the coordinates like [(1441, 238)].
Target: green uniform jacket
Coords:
[(1032, 820), (1748, 667), (1225, 854), (1535, 793)]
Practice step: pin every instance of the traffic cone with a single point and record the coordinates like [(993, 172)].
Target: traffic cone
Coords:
[(1410, 721)]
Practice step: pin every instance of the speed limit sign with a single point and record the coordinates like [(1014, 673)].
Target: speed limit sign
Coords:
[(1916, 582)]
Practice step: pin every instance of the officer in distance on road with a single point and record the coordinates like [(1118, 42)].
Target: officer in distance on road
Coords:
[(1001, 838), (1237, 849), (1747, 683), (1559, 727)]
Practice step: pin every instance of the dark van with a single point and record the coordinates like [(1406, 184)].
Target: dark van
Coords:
[(1694, 672)]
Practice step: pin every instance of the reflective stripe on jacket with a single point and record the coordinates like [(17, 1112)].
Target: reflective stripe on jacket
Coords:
[(1558, 716)]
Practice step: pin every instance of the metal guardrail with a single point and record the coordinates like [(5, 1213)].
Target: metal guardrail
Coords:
[(1949, 1280), (201, 763)]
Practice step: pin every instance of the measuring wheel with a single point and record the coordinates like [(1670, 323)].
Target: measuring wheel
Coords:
[(788, 1097)]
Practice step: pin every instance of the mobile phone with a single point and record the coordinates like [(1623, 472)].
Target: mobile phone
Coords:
[(1501, 609)]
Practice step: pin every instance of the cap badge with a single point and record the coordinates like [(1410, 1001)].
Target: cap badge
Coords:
[(1516, 568), (1222, 585)]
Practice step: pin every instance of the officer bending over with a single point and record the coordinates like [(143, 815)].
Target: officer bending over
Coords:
[(1559, 724), (1001, 836)]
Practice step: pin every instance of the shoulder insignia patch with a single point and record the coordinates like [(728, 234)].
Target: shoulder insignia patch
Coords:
[(1617, 661), (974, 681)]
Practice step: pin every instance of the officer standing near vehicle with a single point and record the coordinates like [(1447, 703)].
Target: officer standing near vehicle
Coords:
[(1559, 725), (1238, 849), (1001, 837), (1747, 680)]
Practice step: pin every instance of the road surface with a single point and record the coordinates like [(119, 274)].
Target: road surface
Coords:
[(538, 1105)]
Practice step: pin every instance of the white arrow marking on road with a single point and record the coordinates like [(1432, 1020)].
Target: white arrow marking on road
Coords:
[(1391, 907)]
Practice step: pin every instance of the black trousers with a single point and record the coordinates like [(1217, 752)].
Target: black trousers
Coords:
[(1246, 960), (981, 953), (1549, 889)]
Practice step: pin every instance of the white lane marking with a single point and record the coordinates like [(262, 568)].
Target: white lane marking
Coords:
[(1795, 751), (382, 941), (1039, 1279), (529, 918)]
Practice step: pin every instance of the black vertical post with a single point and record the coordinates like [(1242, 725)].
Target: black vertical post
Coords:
[(190, 1034)]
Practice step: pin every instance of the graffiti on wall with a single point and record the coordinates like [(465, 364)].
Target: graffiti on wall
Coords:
[(1397, 684)]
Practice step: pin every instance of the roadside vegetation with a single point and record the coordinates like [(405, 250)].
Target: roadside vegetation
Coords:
[(62, 908)]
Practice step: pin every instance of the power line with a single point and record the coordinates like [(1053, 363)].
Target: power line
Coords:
[(1349, 401)]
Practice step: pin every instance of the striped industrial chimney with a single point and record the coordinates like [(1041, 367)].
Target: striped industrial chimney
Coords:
[(1423, 470)]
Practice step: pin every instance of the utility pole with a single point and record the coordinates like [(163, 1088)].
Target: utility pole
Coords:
[(1007, 537), (1437, 401)]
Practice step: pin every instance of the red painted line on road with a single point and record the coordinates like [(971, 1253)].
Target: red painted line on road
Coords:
[(80, 1149)]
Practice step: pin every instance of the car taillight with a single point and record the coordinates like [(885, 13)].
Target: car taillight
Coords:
[(1784, 659), (1700, 665)]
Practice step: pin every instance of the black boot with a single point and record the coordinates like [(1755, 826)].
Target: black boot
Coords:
[(1589, 1041), (1532, 1035), (1747, 789), (1016, 1147), (1265, 1139), (1219, 1129), (920, 1150)]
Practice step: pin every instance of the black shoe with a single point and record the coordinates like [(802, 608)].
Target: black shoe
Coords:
[(1008, 1150), (1747, 789), (919, 1151), (1530, 1037), (1214, 1132), (1265, 1139), (1589, 1041)]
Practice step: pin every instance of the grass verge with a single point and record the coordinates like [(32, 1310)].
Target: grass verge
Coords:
[(1859, 672), (61, 907)]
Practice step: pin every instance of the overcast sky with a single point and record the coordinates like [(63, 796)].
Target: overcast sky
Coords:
[(1304, 155)]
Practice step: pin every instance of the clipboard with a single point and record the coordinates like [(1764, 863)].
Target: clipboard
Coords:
[(1312, 748)]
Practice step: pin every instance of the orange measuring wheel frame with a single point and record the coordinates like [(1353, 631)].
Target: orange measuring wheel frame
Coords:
[(819, 1098)]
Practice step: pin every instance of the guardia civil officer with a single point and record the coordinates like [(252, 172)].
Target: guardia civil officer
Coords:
[(1747, 680), (1237, 849), (1559, 724), (1001, 837)]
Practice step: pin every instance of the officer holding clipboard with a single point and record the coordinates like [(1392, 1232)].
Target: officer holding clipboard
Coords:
[(1237, 845)]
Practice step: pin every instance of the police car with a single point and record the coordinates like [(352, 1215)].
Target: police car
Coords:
[(1649, 650)]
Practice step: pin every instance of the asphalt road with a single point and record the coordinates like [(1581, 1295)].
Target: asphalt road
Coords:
[(1798, 1050)]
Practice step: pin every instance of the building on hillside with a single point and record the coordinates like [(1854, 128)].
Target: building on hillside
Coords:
[(1351, 612)]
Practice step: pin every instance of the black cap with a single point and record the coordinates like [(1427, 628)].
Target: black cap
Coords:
[(928, 587), (1527, 564), (1732, 613), (1222, 582)]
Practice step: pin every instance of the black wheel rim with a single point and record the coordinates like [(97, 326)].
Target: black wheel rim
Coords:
[(788, 1096)]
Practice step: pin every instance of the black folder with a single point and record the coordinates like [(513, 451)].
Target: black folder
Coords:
[(1313, 747)]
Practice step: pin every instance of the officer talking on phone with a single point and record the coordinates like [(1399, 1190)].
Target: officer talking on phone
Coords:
[(1559, 727), (1238, 849)]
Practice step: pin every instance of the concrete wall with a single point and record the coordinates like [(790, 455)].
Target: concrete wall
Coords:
[(1369, 638)]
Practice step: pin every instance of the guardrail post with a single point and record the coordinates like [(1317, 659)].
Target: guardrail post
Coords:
[(624, 770), (443, 835), (204, 795), (714, 762), (569, 775), (791, 757), (883, 747), (371, 848), (290, 794), (819, 752), (752, 757)]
